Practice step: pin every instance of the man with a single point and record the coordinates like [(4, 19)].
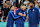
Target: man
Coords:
[(33, 14), (12, 1), (26, 2), (10, 18), (22, 13), (6, 10)]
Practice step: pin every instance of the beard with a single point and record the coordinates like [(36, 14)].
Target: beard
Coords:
[(31, 6)]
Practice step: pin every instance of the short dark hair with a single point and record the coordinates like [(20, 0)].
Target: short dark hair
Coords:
[(11, 6), (33, 3)]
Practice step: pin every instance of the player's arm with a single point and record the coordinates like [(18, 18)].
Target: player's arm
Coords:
[(15, 17), (8, 15), (20, 14)]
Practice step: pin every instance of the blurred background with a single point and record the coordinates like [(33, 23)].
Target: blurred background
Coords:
[(5, 8)]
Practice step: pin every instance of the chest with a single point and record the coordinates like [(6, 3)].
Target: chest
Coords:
[(33, 12)]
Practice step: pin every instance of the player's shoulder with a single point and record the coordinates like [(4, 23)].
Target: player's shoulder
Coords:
[(28, 10), (36, 8), (18, 9)]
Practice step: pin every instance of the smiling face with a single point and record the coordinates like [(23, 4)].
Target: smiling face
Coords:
[(12, 8), (23, 7), (39, 5)]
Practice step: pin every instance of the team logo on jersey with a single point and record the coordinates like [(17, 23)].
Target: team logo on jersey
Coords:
[(39, 10), (33, 9)]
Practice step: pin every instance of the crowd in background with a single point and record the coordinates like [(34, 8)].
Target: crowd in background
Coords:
[(5, 7)]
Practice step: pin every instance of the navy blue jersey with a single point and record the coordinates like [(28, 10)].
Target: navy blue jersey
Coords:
[(10, 21), (33, 16)]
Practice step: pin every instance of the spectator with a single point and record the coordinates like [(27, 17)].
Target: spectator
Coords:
[(27, 6), (1, 2), (38, 0), (9, 4), (31, 0), (21, 3), (26, 2), (6, 10), (28, 9), (4, 1), (36, 4)]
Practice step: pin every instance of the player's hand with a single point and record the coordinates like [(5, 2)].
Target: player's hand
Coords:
[(24, 15), (37, 25), (27, 18), (20, 14)]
